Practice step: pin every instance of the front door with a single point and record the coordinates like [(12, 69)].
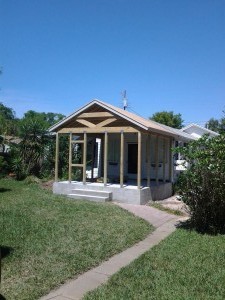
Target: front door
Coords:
[(132, 158)]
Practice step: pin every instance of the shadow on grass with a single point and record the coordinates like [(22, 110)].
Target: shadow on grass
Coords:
[(191, 226), (5, 251), (187, 224), (3, 190)]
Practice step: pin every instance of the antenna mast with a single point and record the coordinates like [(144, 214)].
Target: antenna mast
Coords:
[(124, 94)]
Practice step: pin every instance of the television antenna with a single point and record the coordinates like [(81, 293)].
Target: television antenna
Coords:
[(124, 95)]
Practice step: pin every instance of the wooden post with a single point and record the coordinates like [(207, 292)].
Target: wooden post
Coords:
[(157, 159), (84, 157), (92, 158), (171, 161), (164, 160), (56, 157), (70, 156), (148, 160), (105, 157), (121, 158), (139, 161)]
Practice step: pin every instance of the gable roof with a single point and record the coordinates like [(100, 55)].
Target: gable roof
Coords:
[(136, 120), (200, 127)]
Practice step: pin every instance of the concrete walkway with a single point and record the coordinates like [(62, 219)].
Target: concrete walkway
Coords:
[(77, 288)]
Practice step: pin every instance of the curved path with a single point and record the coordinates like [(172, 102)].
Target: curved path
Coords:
[(164, 223)]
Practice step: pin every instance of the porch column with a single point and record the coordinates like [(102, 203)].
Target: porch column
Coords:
[(139, 161), (148, 160), (70, 156), (157, 159), (84, 157), (92, 158), (171, 161), (121, 158), (164, 160), (57, 157), (105, 157)]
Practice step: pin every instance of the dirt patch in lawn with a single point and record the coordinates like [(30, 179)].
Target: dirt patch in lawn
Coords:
[(47, 185), (174, 203)]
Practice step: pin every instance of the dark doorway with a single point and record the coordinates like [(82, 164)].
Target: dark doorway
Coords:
[(132, 158)]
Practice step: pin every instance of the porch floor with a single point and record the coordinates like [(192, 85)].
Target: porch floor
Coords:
[(130, 184)]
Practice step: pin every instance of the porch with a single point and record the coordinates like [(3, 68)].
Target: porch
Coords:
[(131, 156), (100, 192)]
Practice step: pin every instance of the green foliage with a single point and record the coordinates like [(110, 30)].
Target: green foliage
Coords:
[(30, 151), (48, 119), (216, 125), (32, 179), (8, 121), (202, 185), (18, 167), (7, 112), (34, 155), (3, 166), (168, 118), (4, 158)]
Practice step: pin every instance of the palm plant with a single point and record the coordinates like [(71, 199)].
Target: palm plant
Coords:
[(28, 156)]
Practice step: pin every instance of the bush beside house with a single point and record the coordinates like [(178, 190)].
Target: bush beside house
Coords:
[(202, 185)]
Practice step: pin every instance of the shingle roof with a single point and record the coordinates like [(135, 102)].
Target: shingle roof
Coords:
[(145, 124)]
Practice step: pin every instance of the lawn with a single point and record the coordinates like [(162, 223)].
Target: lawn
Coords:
[(50, 238), (185, 266)]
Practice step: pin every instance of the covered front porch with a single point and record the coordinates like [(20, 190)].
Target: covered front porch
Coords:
[(128, 160)]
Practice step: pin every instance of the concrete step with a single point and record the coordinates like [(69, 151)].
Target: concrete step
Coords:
[(89, 197), (92, 192)]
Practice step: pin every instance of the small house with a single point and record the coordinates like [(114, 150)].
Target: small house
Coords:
[(118, 155)]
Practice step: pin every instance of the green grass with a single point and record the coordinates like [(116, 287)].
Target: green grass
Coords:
[(51, 238), (166, 209), (185, 266)]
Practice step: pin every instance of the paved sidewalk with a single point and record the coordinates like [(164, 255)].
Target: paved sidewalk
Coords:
[(152, 215), (76, 289)]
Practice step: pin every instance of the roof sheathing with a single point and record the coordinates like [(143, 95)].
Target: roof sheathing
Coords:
[(145, 124)]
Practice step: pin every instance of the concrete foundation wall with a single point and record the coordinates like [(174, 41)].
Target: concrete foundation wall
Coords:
[(162, 191), (127, 194)]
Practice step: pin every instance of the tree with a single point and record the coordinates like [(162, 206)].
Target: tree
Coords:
[(28, 155), (202, 184), (48, 119), (8, 120), (216, 125), (213, 124), (7, 112), (168, 118), (35, 153)]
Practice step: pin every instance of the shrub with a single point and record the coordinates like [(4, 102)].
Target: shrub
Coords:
[(202, 185), (32, 179), (3, 166)]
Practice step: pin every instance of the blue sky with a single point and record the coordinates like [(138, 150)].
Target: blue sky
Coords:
[(57, 55)]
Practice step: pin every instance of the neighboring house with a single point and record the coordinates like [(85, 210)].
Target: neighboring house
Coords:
[(6, 140), (196, 132), (131, 155)]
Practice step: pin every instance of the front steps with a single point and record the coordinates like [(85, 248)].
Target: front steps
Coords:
[(90, 195)]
